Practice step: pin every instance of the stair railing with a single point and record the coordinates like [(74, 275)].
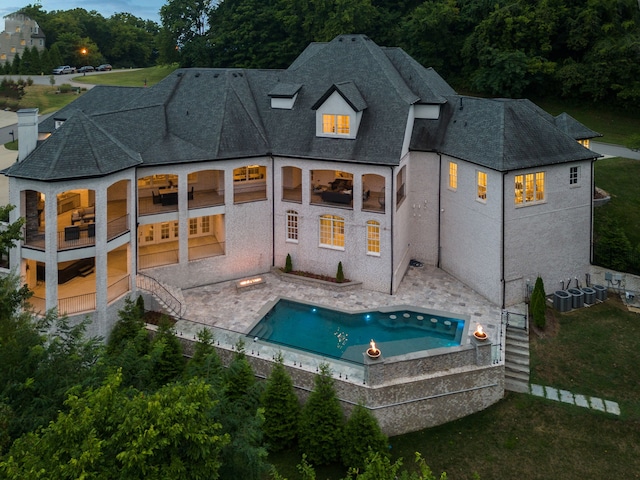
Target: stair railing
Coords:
[(155, 288)]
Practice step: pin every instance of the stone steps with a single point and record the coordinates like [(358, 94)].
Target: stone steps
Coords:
[(516, 371)]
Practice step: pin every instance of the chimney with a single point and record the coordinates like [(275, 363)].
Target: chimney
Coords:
[(27, 131)]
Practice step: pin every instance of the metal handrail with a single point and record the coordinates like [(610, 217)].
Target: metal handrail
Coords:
[(151, 285)]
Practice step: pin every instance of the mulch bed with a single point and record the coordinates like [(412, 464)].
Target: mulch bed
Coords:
[(315, 276)]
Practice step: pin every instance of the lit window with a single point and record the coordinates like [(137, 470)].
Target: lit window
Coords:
[(453, 175), (529, 188), (373, 238), (193, 226), (23, 42), (482, 186), (205, 224), (176, 229), (292, 226), (401, 187), (148, 237), (252, 172), (585, 143), (337, 124), (332, 232), (574, 175), (164, 231)]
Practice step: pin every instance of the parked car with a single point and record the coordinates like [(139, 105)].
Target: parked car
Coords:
[(104, 68), (64, 69), (87, 68)]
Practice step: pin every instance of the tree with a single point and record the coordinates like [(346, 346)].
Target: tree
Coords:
[(362, 436), (205, 362), (166, 355), (321, 421), (538, 304), (281, 409), (340, 273), (108, 433)]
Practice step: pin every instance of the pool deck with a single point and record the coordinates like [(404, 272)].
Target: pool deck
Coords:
[(225, 306)]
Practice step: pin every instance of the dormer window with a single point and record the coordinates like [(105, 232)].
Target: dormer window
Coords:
[(283, 95), (339, 111), (335, 124)]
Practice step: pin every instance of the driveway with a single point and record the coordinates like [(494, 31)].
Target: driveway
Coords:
[(610, 150)]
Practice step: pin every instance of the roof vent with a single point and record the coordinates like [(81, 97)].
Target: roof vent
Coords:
[(216, 75), (197, 74), (179, 74)]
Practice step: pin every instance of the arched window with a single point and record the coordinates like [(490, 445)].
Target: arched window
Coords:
[(332, 231)]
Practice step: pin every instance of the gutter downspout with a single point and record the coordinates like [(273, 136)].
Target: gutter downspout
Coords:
[(593, 188), (273, 215), (502, 248), (391, 207), (439, 212)]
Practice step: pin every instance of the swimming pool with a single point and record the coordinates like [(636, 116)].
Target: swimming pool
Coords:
[(346, 336)]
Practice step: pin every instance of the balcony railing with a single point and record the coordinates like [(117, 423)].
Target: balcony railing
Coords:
[(117, 227), (76, 304), (157, 259), (85, 302), (118, 288), (198, 252)]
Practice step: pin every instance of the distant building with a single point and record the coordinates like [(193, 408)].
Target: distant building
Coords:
[(20, 32)]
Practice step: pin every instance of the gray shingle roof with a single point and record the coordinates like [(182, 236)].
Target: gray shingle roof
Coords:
[(84, 150), (208, 114), (500, 134)]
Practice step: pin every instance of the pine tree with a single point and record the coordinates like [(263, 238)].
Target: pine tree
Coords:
[(281, 409), (321, 422), (288, 265), (362, 437), (538, 304), (340, 274)]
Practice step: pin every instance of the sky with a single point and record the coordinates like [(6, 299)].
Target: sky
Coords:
[(145, 9)]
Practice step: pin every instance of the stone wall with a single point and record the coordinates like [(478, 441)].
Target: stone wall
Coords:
[(406, 393)]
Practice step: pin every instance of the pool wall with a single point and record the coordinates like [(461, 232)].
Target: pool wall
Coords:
[(407, 392)]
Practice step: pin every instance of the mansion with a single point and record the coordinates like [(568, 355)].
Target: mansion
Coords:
[(356, 153)]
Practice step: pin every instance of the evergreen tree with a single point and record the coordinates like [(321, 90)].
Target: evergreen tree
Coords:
[(538, 304), (166, 354), (321, 421), (340, 274), (362, 437), (281, 409), (205, 362)]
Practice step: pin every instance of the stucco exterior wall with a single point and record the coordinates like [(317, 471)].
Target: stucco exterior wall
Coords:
[(373, 271), (471, 233), (247, 226), (424, 191), (551, 239)]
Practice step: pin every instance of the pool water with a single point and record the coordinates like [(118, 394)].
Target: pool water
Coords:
[(346, 336)]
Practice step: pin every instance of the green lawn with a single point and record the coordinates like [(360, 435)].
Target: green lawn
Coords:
[(616, 126), (129, 78), (620, 177)]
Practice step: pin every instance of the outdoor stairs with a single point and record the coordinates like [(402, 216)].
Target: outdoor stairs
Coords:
[(169, 297), (516, 366)]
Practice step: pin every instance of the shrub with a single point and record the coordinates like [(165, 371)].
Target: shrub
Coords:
[(538, 304), (65, 88), (288, 265), (281, 409), (362, 438), (321, 422), (340, 274)]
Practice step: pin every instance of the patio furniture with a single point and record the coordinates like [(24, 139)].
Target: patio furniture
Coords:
[(87, 214), (71, 233)]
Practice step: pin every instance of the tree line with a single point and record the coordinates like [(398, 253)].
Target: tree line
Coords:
[(579, 50), (586, 51)]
